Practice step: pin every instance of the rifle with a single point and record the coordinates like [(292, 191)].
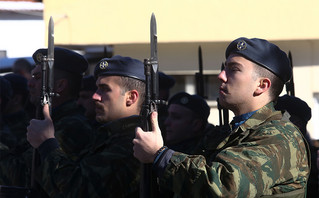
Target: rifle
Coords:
[(290, 86), (47, 93), (223, 113), (199, 75), (148, 185)]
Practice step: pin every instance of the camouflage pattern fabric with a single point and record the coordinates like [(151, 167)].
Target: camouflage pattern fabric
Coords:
[(13, 141), (109, 169), (72, 129), (17, 124), (74, 135), (263, 156)]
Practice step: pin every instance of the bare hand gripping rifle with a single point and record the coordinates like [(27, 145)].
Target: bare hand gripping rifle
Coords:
[(148, 185)]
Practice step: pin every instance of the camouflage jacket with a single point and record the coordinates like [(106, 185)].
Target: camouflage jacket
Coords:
[(72, 129), (264, 156), (108, 169), (73, 133), (17, 124)]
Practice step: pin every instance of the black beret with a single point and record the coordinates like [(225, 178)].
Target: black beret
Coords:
[(64, 59), (120, 66), (263, 53), (88, 83), (165, 81), (294, 106), (18, 83), (195, 103)]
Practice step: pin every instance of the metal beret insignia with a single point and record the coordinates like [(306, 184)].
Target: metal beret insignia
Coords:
[(241, 45), (39, 57), (104, 64), (184, 100)]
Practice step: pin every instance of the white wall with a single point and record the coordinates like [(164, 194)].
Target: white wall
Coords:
[(21, 38)]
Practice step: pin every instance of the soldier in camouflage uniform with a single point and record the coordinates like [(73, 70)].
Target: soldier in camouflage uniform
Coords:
[(14, 114), (262, 156), (10, 129), (72, 129), (109, 168), (186, 122)]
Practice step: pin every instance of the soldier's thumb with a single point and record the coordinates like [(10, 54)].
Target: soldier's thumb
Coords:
[(46, 112), (154, 122)]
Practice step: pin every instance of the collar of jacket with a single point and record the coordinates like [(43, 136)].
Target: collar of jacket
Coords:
[(264, 114), (121, 125)]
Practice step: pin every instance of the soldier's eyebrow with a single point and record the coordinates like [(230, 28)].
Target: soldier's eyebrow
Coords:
[(231, 64), (103, 86)]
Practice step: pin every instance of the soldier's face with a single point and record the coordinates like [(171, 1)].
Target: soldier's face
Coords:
[(110, 101), (180, 124), (238, 84), (34, 85)]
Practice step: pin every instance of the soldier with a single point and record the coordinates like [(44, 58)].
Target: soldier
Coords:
[(13, 123), (72, 129), (299, 113), (109, 169), (14, 114), (186, 122), (262, 156), (22, 67)]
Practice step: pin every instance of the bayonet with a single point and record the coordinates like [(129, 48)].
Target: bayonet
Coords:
[(290, 85), (148, 184), (51, 60), (153, 59), (199, 75), (47, 69)]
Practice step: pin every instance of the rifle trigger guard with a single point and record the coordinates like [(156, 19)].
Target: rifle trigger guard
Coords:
[(153, 106)]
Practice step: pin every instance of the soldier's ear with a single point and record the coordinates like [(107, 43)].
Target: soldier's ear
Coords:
[(196, 124), (263, 86), (132, 97)]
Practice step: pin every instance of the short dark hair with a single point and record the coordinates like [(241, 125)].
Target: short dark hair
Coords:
[(128, 84), (277, 84), (22, 64)]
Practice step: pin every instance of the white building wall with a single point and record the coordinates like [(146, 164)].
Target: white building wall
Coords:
[(20, 38)]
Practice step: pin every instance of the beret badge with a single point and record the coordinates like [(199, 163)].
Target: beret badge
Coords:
[(241, 45), (104, 64), (39, 57), (184, 100)]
